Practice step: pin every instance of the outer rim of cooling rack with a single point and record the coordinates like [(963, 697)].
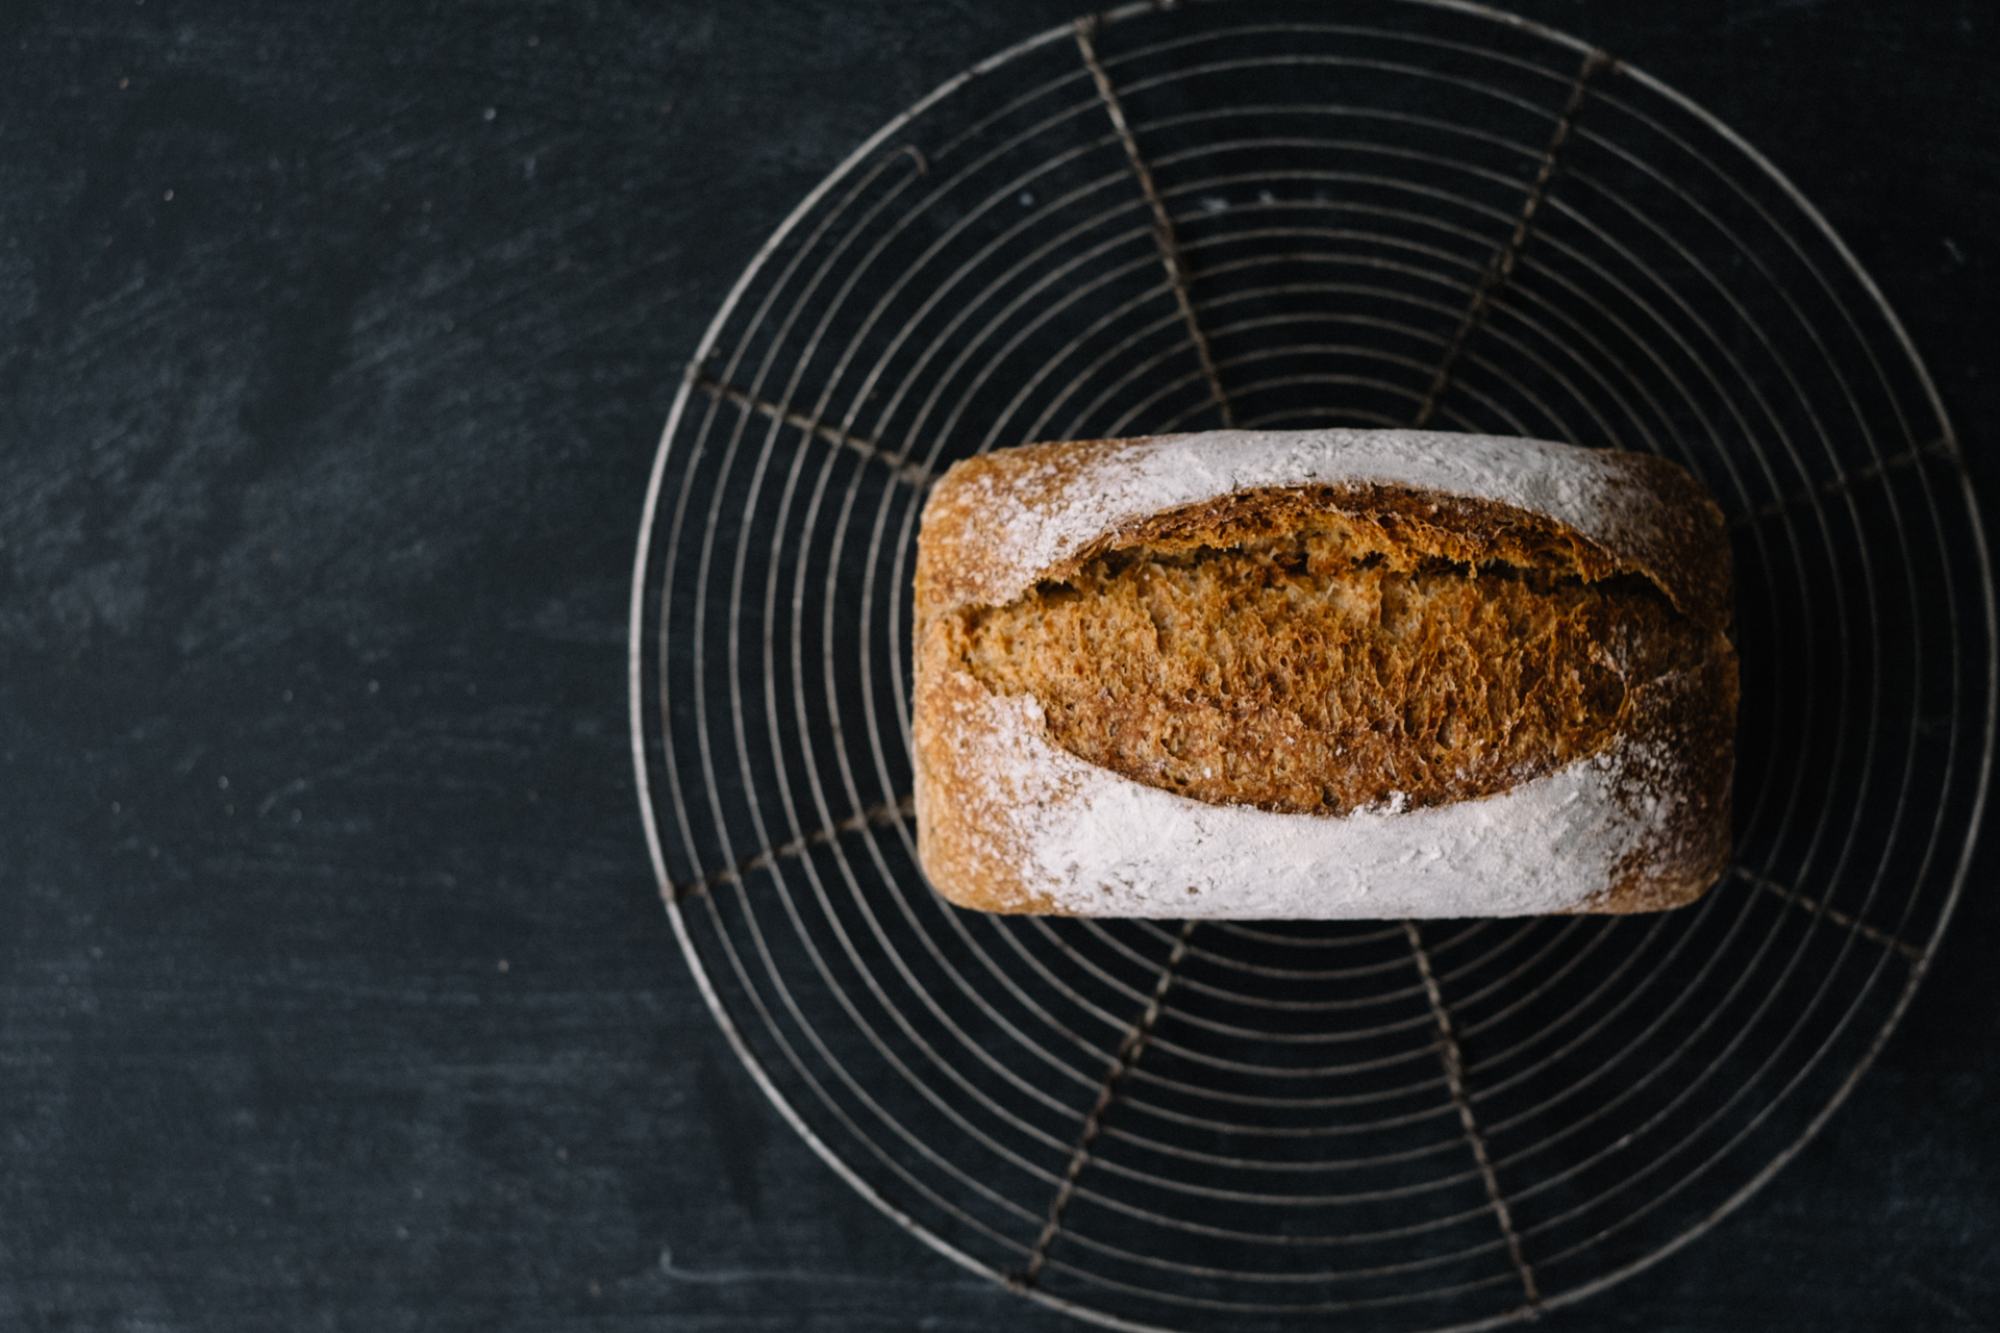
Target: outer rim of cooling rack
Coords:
[(635, 671)]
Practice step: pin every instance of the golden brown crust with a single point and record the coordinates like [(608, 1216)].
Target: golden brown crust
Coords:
[(1675, 719), (961, 807), (1684, 724), (1336, 659), (959, 530)]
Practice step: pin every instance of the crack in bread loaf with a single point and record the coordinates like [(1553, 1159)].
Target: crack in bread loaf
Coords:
[(1350, 658)]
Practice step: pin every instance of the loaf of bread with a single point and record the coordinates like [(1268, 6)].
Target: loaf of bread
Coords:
[(1335, 673)]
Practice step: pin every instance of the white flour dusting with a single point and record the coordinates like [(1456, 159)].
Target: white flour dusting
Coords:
[(1100, 844), (1584, 488)]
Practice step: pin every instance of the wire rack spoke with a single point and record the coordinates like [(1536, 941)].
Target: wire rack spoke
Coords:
[(875, 816), (1165, 234), (901, 468), (1169, 216), (1501, 268), (1453, 1060), (1130, 1047), (1833, 914), (1943, 447)]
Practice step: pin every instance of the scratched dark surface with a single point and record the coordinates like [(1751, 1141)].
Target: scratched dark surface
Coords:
[(333, 988)]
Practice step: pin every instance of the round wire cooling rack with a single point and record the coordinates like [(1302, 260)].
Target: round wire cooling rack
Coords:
[(1384, 212)]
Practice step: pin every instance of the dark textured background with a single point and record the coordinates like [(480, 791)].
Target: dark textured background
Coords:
[(333, 988)]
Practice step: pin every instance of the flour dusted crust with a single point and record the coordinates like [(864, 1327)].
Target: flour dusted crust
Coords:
[(1010, 820)]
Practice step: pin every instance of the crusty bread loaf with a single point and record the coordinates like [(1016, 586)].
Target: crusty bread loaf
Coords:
[(1322, 674)]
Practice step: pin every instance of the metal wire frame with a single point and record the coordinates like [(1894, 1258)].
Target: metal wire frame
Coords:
[(1149, 1124)]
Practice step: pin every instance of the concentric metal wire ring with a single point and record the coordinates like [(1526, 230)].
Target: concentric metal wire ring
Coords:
[(1155, 221)]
